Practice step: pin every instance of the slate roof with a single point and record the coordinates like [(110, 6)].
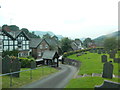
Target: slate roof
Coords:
[(34, 42), (49, 54), (74, 46), (52, 42), (14, 34)]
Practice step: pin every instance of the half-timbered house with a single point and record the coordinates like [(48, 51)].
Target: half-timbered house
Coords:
[(15, 40)]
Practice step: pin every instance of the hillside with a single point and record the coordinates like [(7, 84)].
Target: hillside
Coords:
[(99, 40), (41, 33)]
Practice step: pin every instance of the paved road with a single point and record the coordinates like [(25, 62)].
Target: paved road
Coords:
[(57, 80)]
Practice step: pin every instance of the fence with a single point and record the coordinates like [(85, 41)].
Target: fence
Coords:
[(30, 74), (72, 62)]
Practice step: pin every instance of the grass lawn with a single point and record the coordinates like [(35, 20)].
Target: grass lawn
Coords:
[(91, 63), (37, 74), (87, 82)]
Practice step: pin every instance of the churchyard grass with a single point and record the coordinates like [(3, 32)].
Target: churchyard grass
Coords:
[(37, 74), (88, 82), (91, 63)]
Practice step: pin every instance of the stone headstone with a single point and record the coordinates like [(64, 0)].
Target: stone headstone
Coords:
[(99, 51), (15, 66), (116, 60), (107, 70), (103, 51), (104, 58), (33, 64), (6, 64), (112, 55)]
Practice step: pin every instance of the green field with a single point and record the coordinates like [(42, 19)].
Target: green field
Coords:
[(91, 63), (37, 74)]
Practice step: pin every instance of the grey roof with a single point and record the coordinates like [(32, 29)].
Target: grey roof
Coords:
[(14, 34), (34, 42), (52, 42), (48, 54), (74, 46)]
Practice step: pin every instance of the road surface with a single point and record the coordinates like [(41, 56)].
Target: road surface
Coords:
[(57, 80)]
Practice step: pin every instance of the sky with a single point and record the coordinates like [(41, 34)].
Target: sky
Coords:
[(69, 18)]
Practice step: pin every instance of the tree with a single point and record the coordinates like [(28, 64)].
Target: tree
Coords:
[(25, 30), (86, 42), (66, 44), (46, 36), (110, 43), (14, 28)]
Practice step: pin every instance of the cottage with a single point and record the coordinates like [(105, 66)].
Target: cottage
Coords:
[(39, 46), (51, 58), (15, 40)]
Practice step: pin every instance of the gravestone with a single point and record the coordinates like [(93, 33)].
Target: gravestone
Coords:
[(112, 55), (107, 70), (99, 51), (109, 85), (103, 51), (116, 60), (6, 65), (78, 55), (104, 58), (15, 66), (33, 64)]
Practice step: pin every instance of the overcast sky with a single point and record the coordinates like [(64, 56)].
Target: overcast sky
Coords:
[(71, 18)]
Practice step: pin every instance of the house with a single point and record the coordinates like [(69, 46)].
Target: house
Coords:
[(39, 46), (76, 45), (15, 40), (51, 58), (0, 43)]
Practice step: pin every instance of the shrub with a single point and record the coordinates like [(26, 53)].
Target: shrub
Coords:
[(25, 62)]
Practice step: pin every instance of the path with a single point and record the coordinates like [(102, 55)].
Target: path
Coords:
[(57, 80)]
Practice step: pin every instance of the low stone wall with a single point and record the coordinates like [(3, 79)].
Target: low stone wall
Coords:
[(72, 62)]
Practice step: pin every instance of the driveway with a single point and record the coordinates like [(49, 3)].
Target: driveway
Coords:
[(57, 80)]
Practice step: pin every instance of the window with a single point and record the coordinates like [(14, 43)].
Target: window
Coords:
[(5, 37), (5, 48), (27, 42), (5, 42), (46, 46), (27, 46), (16, 47), (40, 46), (1, 37), (23, 42), (39, 53), (10, 42), (16, 42), (23, 47), (10, 48)]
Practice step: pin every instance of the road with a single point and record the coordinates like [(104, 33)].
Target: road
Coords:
[(57, 80)]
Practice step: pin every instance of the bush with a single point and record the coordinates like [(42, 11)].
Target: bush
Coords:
[(10, 53), (25, 62)]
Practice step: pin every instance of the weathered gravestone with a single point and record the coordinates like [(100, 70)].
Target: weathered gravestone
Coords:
[(116, 60), (103, 51), (107, 70), (99, 51), (104, 58), (78, 55), (112, 55), (6, 65), (15, 66), (33, 64)]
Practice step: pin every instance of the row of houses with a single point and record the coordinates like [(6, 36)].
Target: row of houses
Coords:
[(48, 48)]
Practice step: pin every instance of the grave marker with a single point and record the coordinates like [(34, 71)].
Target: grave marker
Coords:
[(107, 70), (104, 58), (33, 64)]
